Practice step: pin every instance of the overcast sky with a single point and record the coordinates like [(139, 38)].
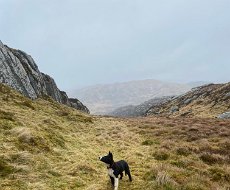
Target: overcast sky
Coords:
[(86, 42)]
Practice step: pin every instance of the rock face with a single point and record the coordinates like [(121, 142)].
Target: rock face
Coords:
[(139, 110), (205, 101), (19, 71)]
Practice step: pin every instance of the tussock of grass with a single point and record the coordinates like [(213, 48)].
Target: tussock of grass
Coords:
[(161, 155), (183, 151), (212, 158), (147, 142), (220, 174), (5, 168), (7, 115), (20, 158), (164, 179), (182, 163), (29, 140), (4, 89), (160, 178), (28, 104)]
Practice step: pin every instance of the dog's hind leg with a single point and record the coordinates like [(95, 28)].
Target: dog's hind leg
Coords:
[(121, 175), (130, 177), (127, 172)]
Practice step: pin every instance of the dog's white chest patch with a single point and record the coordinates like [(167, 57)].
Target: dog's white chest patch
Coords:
[(110, 172)]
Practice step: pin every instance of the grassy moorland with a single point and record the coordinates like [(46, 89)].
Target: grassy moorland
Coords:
[(45, 145)]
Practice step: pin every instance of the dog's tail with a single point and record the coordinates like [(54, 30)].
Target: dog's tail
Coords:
[(127, 172)]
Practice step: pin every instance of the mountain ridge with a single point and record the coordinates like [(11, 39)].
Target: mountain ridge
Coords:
[(209, 100), (103, 99)]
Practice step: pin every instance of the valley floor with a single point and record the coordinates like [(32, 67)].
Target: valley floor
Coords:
[(44, 145)]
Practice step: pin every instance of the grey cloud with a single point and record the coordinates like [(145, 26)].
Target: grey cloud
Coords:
[(83, 42)]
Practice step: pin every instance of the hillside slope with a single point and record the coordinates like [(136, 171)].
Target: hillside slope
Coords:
[(19, 71), (48, 146), (206, 101), (139, 110), (103, 99)]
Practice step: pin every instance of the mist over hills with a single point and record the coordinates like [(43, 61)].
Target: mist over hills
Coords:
[(102, 99), (209, 100)]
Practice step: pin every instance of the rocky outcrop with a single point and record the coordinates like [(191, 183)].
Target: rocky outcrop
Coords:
[(205, 101), (19, 71), (75, 103), (139, 110)]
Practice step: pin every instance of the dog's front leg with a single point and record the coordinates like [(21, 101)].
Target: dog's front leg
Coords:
[(112, 180), (116, 183)]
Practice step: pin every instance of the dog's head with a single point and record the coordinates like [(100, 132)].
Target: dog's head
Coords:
[(108, 159)]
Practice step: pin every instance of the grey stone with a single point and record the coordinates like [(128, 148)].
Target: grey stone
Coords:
[(174, 109), (227, 95), (19, 71), (188, 101), (225, 115)]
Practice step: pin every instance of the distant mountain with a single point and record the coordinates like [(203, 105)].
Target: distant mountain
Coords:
[(139, 110), (19, 71), (210, 100), (103, 99)]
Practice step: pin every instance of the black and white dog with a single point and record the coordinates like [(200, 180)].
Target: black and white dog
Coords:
[(115, 169)]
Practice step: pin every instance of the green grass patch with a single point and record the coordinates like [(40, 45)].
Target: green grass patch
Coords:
[(7, 115), (28, 104), (5, 168), (147, 142), (211, 158), (183, 151), (219, 174), (161, 155)]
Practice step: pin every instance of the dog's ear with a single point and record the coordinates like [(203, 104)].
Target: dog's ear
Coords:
[(110, 154)]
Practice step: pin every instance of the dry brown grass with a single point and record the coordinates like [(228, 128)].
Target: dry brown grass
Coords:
[(56, 147), (187, 147)]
